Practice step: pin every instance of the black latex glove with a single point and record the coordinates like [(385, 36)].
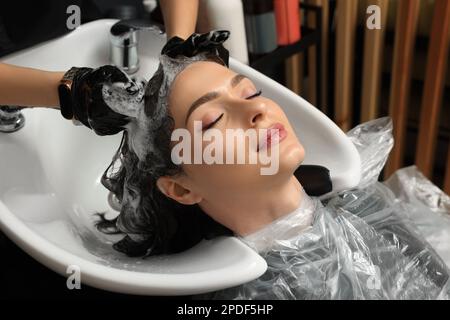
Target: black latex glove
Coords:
[(97, 92), (210, 42)]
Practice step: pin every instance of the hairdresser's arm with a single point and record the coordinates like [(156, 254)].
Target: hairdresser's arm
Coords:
[(28, 87), (180, 17)]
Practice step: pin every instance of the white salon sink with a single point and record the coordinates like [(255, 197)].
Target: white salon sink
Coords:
[(50, 190), (50, 185)]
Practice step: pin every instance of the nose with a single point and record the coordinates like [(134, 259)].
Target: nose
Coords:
[(250, 112)]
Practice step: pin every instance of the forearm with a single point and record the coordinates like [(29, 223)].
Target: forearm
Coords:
[(21, 86), (180, 17)]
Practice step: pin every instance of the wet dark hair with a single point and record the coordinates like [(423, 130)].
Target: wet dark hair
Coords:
[(152, 223)]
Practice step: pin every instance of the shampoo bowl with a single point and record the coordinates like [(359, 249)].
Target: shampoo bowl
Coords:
[(50, 181)]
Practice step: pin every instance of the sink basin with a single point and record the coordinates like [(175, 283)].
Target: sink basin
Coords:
[(50, 190), (50, 187)]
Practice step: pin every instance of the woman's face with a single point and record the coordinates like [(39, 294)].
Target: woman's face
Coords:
[(222, 99)]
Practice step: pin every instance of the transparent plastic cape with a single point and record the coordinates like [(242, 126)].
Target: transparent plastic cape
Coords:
[(366, 243)]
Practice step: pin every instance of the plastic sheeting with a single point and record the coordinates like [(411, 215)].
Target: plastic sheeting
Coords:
[(428, 207), (364, 243)]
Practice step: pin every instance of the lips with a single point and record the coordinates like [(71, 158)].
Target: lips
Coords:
[(275, 134)]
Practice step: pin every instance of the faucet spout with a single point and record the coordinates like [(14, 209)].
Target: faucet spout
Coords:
[(124, 42)]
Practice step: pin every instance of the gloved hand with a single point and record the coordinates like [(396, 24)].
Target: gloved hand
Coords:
[(199, 42), (104, 99)]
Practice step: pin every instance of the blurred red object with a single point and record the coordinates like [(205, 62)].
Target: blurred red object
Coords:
[(287, 15)]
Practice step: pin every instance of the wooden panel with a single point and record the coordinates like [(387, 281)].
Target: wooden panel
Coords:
[(294, 68), (312, 55), (346, 16), (324, 54), (294, 73), (373, 64), (434, 85), (405, 34)]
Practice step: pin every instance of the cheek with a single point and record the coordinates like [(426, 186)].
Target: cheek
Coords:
[(207, 179), (293, 155), (279, 113)]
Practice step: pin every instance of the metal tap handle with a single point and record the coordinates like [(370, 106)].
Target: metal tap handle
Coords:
[(123, 27), (124, 41)]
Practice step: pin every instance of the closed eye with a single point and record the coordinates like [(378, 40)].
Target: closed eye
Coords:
[(212, 123), (220, 117), (255, 95)]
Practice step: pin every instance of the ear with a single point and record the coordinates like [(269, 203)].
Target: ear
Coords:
[(172, 188)]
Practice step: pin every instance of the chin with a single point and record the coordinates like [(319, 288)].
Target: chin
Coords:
[(291, 157)]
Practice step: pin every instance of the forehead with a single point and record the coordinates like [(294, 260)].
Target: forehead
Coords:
[(201, 76), (193, 82)]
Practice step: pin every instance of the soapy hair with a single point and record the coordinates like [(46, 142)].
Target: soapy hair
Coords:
[(151, 222)]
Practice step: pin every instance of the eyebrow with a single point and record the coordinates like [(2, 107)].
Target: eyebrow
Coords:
[(211, 96)]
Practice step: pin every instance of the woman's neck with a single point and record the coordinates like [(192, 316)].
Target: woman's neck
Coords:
[(254, 210)]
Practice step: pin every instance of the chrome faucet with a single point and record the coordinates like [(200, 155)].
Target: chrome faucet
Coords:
[(11, 119), (124, 42)]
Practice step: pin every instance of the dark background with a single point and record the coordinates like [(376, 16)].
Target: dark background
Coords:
[(28, 22)]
